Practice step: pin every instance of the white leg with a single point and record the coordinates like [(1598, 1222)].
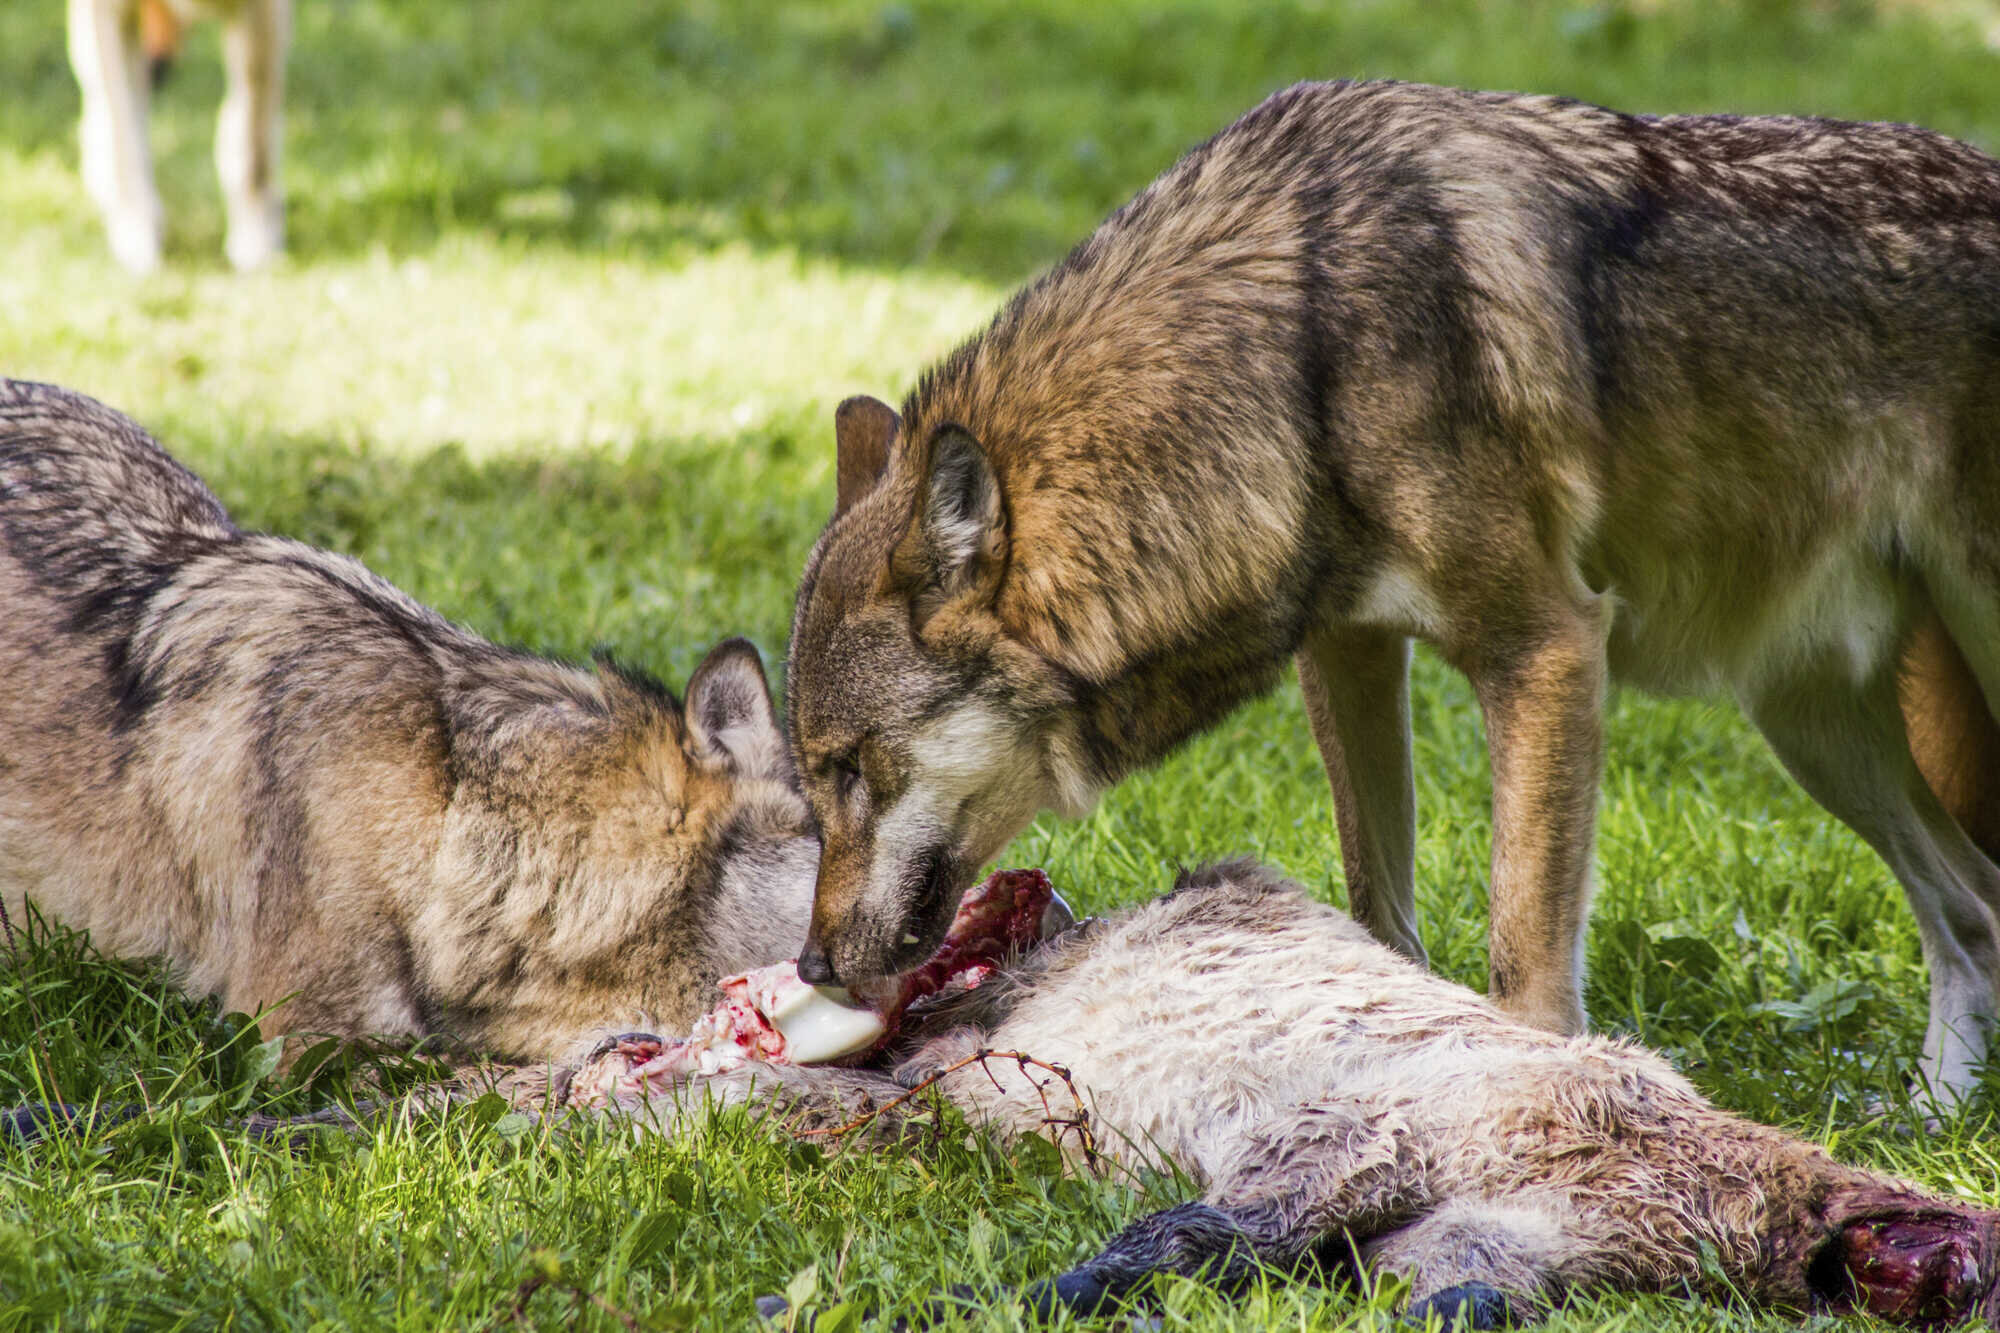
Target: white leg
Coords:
[(250, 127), (1847, 747), (117, 165), (1515, 1249)]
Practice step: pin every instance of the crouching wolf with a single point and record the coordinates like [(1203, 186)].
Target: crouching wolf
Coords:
[(119, 48), (1338, 1103), (1690, 402), (303, 789)]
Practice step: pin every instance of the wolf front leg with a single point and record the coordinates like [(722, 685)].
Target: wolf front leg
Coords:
[(117, 163), (1540, 682), (1356, 683), (249, 130)]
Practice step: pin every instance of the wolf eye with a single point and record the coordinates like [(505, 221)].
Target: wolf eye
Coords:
[(846, 776)]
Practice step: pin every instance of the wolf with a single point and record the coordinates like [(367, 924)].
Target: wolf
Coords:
[(316, 798), (1335, 1102), (119, 48), (1696, 403)]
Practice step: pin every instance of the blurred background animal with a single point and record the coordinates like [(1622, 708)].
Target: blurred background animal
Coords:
[(317, 798), (120, 50)]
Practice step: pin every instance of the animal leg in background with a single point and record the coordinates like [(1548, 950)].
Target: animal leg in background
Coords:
[(249, 130), (1847, 747), (117, 162), (1950, 685), (1356, 684), (1952, 732)]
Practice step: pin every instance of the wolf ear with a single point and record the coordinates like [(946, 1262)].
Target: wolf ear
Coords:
[(958, 543), (863, 430), (729, 715)]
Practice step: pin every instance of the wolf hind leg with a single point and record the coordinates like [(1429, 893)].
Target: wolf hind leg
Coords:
[(1951, 720), (1847, 745)]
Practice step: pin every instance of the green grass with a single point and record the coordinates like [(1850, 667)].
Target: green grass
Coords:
[(572, 291)]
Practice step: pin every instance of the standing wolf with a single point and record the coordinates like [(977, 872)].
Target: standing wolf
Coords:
[(1690, 402), (264, 764)]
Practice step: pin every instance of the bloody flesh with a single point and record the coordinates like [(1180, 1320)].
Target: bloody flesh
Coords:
[(1923, 1269), (998, 918)]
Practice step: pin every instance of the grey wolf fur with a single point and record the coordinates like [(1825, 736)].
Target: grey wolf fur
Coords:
[(1334, 1100), (116, 47), (268, 766), (1692, 402)]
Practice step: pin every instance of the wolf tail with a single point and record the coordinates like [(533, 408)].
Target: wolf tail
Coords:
[(1952, 731)]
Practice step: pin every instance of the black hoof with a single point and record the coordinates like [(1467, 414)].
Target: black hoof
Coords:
[(28, 1124), (38, 1121), (610, 1044), (1467, 1305), (1078, 1291)]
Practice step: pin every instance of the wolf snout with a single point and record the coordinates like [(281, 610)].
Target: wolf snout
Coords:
[(815, 968)]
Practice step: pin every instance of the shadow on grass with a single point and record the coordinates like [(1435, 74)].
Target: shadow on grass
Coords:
[(981, 137)]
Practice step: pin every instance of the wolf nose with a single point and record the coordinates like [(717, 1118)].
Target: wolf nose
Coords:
[(814, 969)]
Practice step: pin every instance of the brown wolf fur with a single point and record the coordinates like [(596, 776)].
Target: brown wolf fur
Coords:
[(272, 768), (1332, 1098), (1695, 403)]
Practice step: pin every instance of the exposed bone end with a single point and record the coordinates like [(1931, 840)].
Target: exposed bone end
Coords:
[(769, 1015), (821, 1023)]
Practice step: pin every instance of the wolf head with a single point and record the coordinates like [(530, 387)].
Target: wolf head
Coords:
[(610, 851), (926, 735)]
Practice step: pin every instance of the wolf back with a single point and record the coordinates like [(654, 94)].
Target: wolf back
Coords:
[(304, 789)]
